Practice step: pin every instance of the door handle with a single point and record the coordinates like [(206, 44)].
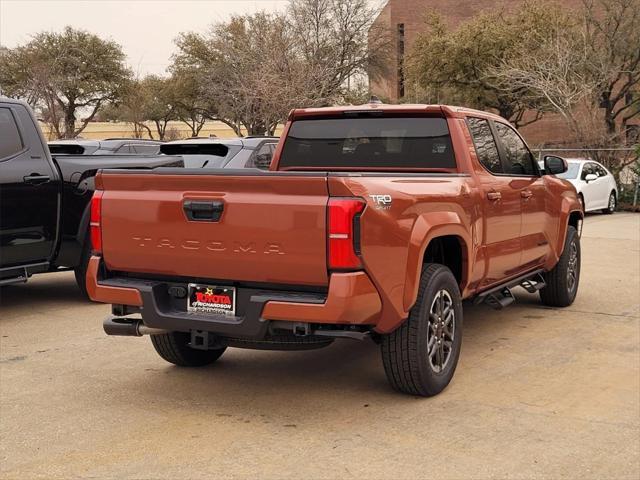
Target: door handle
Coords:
[(203, 210), (494, 196), (36, 179), (526, 194)]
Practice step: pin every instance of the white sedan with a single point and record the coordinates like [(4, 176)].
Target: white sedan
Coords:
[(595, 185)]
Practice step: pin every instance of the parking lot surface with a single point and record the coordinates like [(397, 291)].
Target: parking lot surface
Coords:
[(539, 393)]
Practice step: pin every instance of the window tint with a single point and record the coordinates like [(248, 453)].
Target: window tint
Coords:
[(146, 149), (359, 143), (571, 173), (262, 157), (10, 141), (124, 150), (486, 148), (601, 172), (518, 159)]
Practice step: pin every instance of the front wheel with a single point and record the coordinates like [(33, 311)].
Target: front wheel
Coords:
[(420, 356), (562, 282), (174, 348), (611, 206)]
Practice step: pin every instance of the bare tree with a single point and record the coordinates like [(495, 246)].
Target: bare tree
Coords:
[(612, 40), (253, 69), (587, 73), (337, 39)]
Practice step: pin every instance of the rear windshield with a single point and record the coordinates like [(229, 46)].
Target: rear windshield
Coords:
[(216, 149), (372, 142), (66, 149)]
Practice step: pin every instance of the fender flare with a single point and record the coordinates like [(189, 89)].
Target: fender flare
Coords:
[(427, 227), (568, 206)]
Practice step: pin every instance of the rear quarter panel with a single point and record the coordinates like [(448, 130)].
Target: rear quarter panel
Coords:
[(394, 239)]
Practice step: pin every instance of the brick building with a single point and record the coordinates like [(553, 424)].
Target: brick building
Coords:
[(406, 19)]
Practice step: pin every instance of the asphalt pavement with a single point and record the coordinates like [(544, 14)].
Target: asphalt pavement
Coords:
[(539, 393)]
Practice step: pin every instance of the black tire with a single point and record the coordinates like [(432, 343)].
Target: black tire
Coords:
[(581, 198), (612, 204), (174, 348), (560, 291), (405, 351), (81, 270)]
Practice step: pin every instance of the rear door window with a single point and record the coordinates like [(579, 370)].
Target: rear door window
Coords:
[(369, 142), (262, 157), (485, 144), (10, 140), (141, 149), (517, 157)]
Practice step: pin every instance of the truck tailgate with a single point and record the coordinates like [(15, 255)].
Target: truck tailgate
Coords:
[(251, 227)]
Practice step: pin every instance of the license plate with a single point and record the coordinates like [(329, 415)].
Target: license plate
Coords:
[(211, 299)]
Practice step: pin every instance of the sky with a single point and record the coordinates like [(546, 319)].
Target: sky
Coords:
[(145, 28)]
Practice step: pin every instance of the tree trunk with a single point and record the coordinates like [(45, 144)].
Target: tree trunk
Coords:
[(70, 121), (161, 128)]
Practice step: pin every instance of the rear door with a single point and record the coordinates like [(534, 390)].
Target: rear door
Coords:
[(602, 186), (501, 204), (224, 225), (29, 191), (520, 167)]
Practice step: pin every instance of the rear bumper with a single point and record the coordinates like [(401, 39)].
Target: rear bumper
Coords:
[(351, 299)]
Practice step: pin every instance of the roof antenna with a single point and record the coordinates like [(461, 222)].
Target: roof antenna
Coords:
[(375, 100)]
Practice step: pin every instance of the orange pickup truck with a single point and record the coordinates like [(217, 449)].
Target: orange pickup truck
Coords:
[(375, 221)]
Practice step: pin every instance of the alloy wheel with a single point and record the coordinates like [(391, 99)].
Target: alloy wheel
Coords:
[(573, 267), (441, 331)]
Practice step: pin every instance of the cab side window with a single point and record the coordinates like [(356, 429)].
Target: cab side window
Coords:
[(10, 140), (124, 150), (262, 157), (600, 171), (485, 144), (146, 149), (587, 169), (518, 158)]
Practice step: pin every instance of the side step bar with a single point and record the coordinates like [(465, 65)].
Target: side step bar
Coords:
[(500, 297), (12, 275)]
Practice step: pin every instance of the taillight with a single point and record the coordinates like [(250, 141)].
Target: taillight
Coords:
[(95, 228), (344, 233)]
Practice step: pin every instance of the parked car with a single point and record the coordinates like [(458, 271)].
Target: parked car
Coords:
[(596, 186), (44, 199), (246, 152), (110, 146), (374, 221)]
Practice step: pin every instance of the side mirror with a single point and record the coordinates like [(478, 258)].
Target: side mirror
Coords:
[(590, 177), (554, 165)]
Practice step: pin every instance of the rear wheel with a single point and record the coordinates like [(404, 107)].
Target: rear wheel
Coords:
[(611, 206), (174, 348), (562, 282), (420, 357)]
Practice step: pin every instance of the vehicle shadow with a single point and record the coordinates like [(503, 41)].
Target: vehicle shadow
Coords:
[(51, 289), (246, 383)]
